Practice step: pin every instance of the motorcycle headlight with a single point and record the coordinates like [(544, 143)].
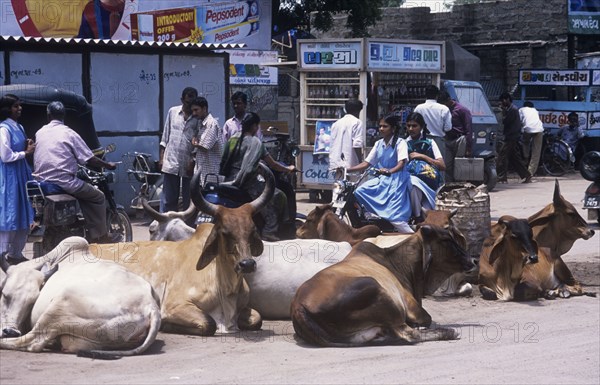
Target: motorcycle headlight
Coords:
[(337, 188)]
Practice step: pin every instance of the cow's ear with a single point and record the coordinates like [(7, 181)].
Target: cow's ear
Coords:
[(557, 199), (256, 245), (210, 250)]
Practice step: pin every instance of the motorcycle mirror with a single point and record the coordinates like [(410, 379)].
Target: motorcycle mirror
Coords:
[(110, 148), (295, 151)]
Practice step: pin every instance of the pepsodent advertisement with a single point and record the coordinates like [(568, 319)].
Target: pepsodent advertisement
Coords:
[(233, 21)]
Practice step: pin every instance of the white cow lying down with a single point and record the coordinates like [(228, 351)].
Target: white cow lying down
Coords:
[(90, 306), (283, 267)]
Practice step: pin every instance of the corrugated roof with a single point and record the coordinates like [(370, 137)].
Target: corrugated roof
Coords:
[(117, 43)]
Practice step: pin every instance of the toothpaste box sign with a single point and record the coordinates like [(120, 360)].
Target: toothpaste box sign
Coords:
[(225, 22), (176, 24)]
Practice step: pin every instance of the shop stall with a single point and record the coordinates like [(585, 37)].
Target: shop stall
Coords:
[(388, 76)]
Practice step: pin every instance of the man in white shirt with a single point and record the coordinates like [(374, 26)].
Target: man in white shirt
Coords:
[(437, 117), (533, 132), (346, 139)]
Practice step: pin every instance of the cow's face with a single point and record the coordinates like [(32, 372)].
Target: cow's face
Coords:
[(515, 243), (443, 219), (443, 256), (559, 225), (234, 237), (19, 292), (309, 229)]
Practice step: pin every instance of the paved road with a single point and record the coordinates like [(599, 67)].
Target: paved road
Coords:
[(537, 342)]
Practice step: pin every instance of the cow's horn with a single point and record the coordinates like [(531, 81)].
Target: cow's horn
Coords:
[(198, 199), (269, 190), (187, 214), (153, 213), (556, 198)]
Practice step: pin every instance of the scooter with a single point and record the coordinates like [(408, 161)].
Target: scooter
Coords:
[(590, 170), (59, 215), (345, 204)]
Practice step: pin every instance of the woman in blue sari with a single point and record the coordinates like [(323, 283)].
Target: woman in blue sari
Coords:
[(387, 195), (16, 214), (425, 165)]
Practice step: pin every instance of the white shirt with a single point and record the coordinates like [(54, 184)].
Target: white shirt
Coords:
[(437, 117), (401, 151), (346, 135), (530, 120)]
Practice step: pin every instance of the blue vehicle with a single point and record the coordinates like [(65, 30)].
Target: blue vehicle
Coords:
[(556, 93), (485, 125)]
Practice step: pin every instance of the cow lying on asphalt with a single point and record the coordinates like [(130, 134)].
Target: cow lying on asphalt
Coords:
[(557, 226), (374, 295), (503, 257), (90, 307), (322, 223), (201, 279), (281, 268)]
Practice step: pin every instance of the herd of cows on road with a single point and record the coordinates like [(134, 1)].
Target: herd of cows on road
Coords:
[(348, 288)]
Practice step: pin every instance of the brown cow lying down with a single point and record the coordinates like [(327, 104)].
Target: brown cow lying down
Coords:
[(322, 223), (456, 284), (557, 226), (503, 257), (373, 296)]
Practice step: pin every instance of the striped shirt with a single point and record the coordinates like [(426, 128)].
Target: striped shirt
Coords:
[(209, 149), (177, 141)]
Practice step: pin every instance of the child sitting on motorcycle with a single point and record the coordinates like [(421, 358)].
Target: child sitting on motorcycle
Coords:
[(424, 167), (387, 195), (239, 165)]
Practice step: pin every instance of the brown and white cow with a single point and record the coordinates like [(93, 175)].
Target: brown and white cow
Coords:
[(503, 257), (373, 296), (322, 223), (557, 226), (201, 279)]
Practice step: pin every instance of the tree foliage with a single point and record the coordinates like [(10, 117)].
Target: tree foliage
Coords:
[(288, 14)]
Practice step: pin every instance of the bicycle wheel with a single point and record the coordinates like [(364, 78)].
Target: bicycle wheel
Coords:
[(556, 158), (119, 223)]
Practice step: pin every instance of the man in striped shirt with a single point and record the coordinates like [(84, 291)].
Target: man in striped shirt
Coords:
[(208, 143)]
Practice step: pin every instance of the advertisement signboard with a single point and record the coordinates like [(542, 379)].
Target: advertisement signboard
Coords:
[(389, 55), (332, 55), (315, 169), (233, 21), (558, 119), (246, 67), (584, 17), (555, 77)]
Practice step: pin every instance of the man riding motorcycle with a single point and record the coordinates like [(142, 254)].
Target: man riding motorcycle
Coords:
[(59, 151)]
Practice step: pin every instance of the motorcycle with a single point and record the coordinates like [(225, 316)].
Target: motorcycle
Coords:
[(590, 170), (282, 150), (59, 215), (347, 208)]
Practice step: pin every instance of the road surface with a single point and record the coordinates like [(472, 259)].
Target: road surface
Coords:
[(538, 342)]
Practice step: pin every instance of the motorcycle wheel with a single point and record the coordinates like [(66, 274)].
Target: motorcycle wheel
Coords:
[(118, 222), (490, 176)]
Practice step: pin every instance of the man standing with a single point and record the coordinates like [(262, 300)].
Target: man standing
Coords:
[(239, 100), (459, 140), (176, 150), (208, 142), (58, 152), (510, 152), (437, 117), (533, 133), (346, 139)]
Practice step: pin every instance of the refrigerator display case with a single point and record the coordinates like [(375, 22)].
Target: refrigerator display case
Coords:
[(388, 76)]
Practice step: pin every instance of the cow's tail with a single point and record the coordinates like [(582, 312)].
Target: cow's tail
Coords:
[(310, 331), (155, 320)]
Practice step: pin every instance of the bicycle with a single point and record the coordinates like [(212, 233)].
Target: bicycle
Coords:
[(145, 171), (557, 157)]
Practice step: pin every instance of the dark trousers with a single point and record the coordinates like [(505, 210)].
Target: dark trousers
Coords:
[(93, 207), (170, 194), (510, 154)]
